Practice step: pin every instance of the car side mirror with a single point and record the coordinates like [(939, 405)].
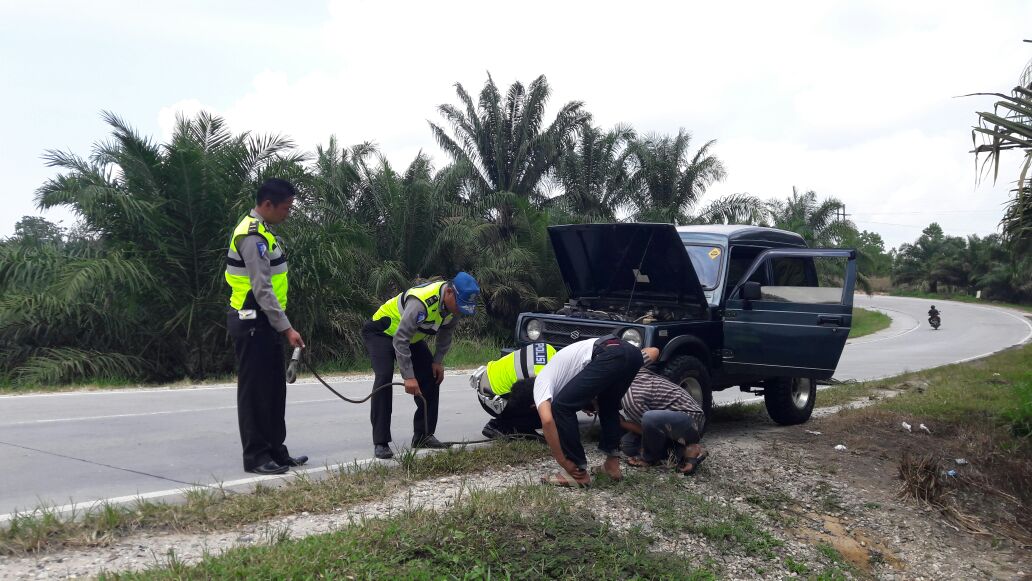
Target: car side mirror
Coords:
[(751, 291)]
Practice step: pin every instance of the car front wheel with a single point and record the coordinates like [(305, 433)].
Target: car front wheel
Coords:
[(692, 375), (789, 400)]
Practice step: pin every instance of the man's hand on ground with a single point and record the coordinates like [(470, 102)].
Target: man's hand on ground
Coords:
[(294, 338), (438, 369), (412, 387)]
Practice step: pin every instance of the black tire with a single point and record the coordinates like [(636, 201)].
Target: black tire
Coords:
[(789, 400), (692, 375)]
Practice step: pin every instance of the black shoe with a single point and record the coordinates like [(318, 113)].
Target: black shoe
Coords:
[(427, 442), (530, 436), (294, 461), (270, 467), (491, 433), (383, 452)]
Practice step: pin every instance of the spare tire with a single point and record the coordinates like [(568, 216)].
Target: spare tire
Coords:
[(692, 375), (789, 400)]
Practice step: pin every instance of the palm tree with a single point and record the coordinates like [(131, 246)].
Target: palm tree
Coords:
[(815, 220), (1009, 127), (149, 290), (502, 142), (593, 174), (667, 183)]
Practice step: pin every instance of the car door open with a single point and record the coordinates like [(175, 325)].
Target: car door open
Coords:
[(790, 314)]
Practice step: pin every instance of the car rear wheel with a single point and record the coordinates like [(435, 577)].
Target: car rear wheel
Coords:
[(789, 400), (692, 375)]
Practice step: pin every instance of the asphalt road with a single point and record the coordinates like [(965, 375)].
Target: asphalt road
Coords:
[(65, 448)]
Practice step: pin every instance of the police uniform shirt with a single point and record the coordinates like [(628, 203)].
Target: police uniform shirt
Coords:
[(414, 314), (254, 251)]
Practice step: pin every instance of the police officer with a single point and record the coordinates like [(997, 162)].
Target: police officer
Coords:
[(505, 388), (256, 270), (396, 332)]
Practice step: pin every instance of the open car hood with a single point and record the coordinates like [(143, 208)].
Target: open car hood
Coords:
[(611, 261)]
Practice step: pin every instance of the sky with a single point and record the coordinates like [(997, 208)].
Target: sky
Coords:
[(856, 100)]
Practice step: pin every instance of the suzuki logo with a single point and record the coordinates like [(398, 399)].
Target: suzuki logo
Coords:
[(575, 335)]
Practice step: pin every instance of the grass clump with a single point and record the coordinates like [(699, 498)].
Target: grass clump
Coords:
[(525, 532)]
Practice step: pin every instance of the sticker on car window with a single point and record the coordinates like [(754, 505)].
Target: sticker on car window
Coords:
[(714, 253)]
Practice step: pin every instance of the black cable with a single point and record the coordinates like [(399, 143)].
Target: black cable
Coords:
[(426, 419), (113, 467)]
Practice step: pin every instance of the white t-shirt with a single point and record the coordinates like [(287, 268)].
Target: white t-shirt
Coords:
[(561, 368)]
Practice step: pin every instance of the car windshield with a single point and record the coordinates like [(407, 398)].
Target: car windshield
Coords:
[(706, 260)]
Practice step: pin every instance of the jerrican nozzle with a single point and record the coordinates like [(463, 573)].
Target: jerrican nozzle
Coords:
[(295, 361)]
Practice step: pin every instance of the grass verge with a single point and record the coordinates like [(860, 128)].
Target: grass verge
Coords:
[(959, 298), (209, 509), (866, 321), (524, 532)]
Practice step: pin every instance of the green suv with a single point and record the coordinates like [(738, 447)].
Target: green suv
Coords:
[(726, 305)]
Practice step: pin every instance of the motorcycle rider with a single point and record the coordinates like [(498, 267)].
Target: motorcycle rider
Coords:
[(933, 313)]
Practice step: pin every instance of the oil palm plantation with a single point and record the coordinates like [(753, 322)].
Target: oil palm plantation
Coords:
[(593, 176), (817, 221), (667, 182), (503, 140), (140, 300)]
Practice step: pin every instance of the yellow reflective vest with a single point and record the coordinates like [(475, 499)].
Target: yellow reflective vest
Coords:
[(521, 364), (236, 272), (431, 295)]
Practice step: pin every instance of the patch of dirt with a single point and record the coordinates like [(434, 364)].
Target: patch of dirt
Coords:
[(977, 509)]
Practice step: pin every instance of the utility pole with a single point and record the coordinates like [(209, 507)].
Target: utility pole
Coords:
[(841, 214)]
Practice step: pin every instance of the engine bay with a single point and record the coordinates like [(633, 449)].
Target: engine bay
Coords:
[(634, 313)]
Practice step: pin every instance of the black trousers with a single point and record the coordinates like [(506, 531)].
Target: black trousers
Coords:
[(519, 416), (381, 353), (261, 390), (606, 379)]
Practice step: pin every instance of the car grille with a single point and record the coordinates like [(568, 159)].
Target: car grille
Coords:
[(561, 334)]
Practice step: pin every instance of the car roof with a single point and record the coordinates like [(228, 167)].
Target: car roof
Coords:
[(744, 234)]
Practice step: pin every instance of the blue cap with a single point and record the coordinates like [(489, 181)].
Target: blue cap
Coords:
[(466, 292)]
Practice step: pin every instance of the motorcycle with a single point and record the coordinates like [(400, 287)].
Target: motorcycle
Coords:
[(934, 321)]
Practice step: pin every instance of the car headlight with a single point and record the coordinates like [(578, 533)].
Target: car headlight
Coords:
[(632, 336), (534, 330)]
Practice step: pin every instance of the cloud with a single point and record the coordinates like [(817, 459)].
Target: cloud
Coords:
[(851, 100)]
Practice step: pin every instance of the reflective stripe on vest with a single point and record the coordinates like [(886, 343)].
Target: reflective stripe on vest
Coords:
[(236, 271), (525, 363), (431, 295)]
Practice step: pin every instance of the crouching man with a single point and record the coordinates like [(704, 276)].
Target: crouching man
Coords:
[(505, 388), (594, 369), (660, 417)]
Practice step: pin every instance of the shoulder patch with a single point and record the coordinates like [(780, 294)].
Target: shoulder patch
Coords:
[(263, 249), (420, 317)]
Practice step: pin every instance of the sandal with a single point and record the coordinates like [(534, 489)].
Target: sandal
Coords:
[(690, 465), (564, 479), (601, 471)]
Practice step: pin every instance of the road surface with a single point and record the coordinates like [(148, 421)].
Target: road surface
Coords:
[(66, 448)]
